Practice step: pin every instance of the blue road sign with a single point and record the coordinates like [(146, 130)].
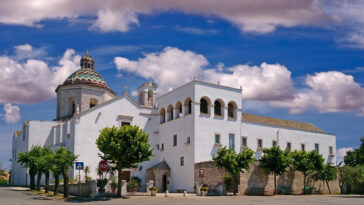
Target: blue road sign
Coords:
[(79, 166)]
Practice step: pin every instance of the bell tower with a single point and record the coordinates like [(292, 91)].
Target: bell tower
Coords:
[(147, 93)]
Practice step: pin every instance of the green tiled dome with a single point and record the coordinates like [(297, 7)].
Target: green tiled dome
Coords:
[(86, 76)]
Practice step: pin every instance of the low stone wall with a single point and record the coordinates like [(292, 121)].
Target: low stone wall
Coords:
[(257, 177), (83, 189)]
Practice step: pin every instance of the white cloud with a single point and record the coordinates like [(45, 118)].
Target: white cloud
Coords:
[(173, 67), (12, 113), (197, 31), (259, 16), (331, 91), (134, 93), (27, 51), (341, 153), (33, 80)]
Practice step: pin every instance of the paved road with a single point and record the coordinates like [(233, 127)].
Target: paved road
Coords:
[(17, 196)]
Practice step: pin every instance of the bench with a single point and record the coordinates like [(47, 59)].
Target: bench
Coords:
[(286, 190), (310, 190), (260, 191)]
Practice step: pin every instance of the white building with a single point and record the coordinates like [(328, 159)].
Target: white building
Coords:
[(186, 126)]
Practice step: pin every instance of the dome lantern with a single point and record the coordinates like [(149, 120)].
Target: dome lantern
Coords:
[(87, 62)]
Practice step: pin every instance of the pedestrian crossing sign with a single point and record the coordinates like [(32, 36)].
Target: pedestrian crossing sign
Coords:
[(79, 166)]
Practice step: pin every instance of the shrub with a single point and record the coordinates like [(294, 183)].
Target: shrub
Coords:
[(204, 188), (3, 181), (137, 179), (101, 183), (153, 188), (133, 184), (228, 181)]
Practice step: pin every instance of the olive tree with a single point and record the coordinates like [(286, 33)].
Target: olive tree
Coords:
[(234, 163), (307, 163), (275, 161), (30, 160), (328, 173), (125, 147)]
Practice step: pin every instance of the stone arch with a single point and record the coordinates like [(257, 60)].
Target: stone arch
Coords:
[(188, 106), (162, 115), (219, 107), (93, 102), (205, 103), (150, 98), (232, 109), (178, 109), (170, 112), (72, 106)]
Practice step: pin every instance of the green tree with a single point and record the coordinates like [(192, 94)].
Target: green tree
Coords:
[(348, 175), (125, 147), (275, 161), (307, 163), (29, 160), (234, 163), (327, 174), (46, 165), (64, 159), (87, 171), (355, 157)]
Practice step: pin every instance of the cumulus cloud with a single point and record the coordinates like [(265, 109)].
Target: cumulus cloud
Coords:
[(328, 92), (331, 91), (173, 67), (134, 93), (259, 16), (12, 113), (341, 153), (33, 80)]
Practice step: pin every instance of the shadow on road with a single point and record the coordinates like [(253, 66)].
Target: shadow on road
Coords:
[(350, 196)]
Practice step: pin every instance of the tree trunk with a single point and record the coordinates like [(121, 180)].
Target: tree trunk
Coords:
[(32, 180), (38, 180), (65, 185), (304, 184), (275, 184), (328, 187), (46, 187), (119, 182), (56, 184)]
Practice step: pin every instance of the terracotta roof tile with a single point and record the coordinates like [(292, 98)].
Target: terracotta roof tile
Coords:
[(280, 122)]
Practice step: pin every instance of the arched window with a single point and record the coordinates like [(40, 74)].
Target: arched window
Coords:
[(170, 113), (188, 106), (204, 105), (232, 110), (72, 106), (218, 107), (162, 115), (93, 102), (150, 98), (178, 109)]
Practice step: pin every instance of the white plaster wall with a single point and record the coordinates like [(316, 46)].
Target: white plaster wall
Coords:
[(206, 126), (283, 135), (89, 124), (182, 177)]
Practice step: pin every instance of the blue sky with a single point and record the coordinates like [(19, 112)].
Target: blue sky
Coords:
[(301, 62)]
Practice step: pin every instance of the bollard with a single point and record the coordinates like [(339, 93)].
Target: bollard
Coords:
[(185, 193), (167, 193)]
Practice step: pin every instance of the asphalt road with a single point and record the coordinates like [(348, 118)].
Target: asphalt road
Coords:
[(19, 196)]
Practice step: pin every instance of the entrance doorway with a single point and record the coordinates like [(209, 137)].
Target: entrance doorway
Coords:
[(164, 183)]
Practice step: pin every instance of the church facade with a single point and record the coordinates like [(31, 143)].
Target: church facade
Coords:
[(186, 126)]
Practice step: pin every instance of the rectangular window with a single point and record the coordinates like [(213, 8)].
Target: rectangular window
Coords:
[(157, 146), (125, 124), (260, 143), (244, 142), (182, 161), (317, 148), (217, 139), (188, 140), (303, 147), (174, 140), (162, 146), (288, 146), (274, 144), (231, 141), (331, 151)]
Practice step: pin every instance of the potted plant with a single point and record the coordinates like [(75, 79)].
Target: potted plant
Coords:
[(153, 191), (113, 185), (133, 186), (101, 183), (204, 189)]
